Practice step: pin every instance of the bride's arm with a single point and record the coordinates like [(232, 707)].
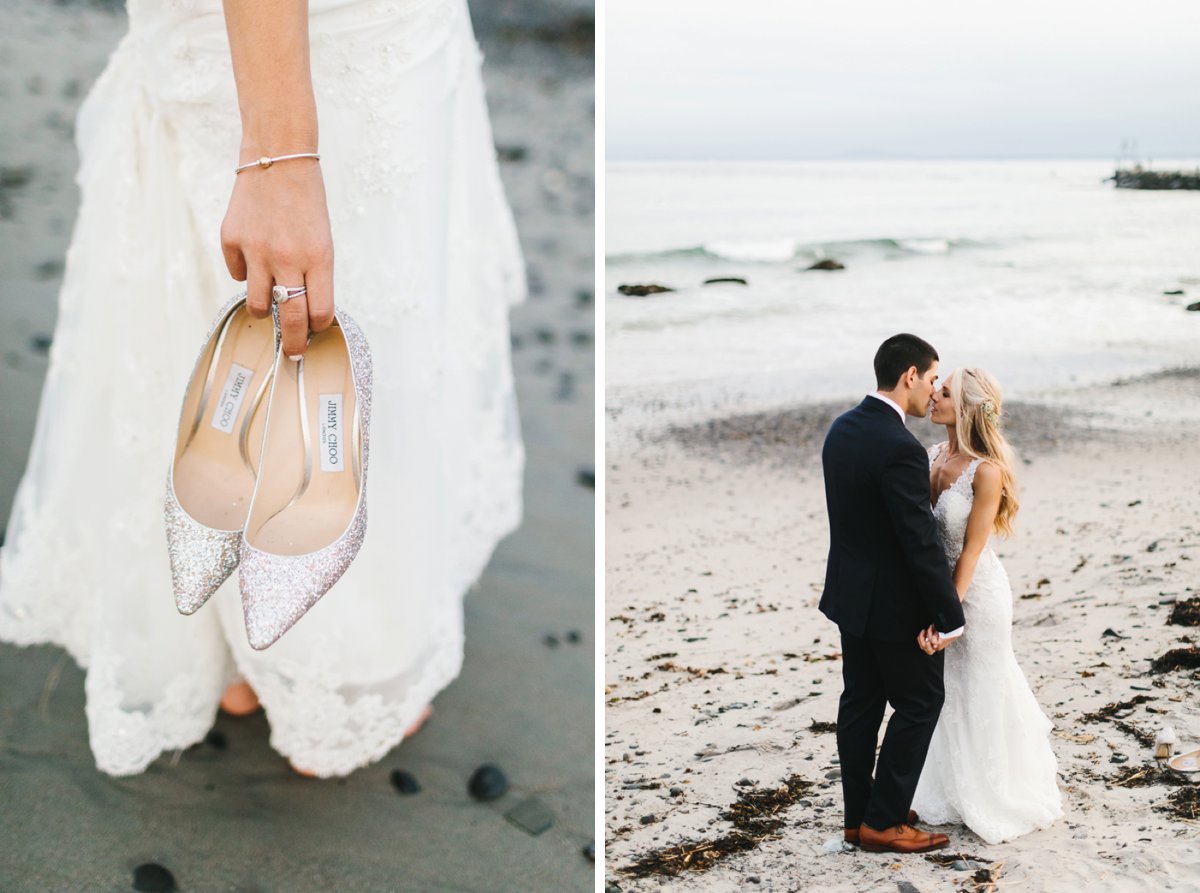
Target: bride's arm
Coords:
[(987, 486), (276, 229)]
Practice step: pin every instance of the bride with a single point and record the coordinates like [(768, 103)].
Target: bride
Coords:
[(989, 765), (406, 189)]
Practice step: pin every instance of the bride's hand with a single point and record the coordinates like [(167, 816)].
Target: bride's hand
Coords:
[(931, 641), (276, 232)]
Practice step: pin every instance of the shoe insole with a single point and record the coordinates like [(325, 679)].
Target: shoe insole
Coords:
[(282, 522), (212, 482)]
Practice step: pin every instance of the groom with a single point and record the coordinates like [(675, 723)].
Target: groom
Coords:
[(887, 580)]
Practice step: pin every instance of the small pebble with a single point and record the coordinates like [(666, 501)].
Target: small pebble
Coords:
[(1120, 758), (405, 782), (647, 819), (676, 792), (753, 880), (964, 865), (834, 774), (744, 783), (153, 878), (487, 782)]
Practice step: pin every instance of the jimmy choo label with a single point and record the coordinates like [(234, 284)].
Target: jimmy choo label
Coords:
[(332, 445), (232, 395)]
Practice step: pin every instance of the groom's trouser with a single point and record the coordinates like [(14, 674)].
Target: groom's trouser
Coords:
[(875, 673)]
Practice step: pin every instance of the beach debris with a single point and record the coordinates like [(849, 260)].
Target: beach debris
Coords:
[(641, 291), (1111, 633), (1186, 613), (405, 782), (1116, 714), (150, 877), (1173, 292), (733, 280), (827, 264), (756, 816), (1143, 776), (1183, 804), (1195, 305), (488, 782), (820, 728), (531, 816), (1176, 659), (948, 859)]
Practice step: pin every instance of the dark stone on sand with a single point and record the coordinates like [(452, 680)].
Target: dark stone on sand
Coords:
[(487, 782), (676, 792), (48, 269), (1119, 758), (574, 636), (217, 740), (550, 640), (1110, 633), (586, 477), (733, 280), (1195, 305), (612, 888), (744, 783), (405, 782), (151, 877), (905, 887), (828, 264), (753, 880), (531, 816), (641, 291), (834, 774), (511, 153), (589, 851), (1175, 292)]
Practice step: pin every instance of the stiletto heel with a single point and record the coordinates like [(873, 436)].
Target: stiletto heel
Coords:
[(306, 524), (211, 476)]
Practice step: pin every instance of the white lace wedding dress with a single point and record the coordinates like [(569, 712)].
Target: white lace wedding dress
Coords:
[(426, 259), (989, 765)]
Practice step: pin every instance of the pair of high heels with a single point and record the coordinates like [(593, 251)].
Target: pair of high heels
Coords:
[(243, 488)]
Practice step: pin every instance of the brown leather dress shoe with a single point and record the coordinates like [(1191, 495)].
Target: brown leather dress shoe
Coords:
[(851, 834), (900, 839)]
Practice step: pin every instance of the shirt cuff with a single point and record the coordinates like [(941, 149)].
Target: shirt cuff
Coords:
[(953, 634)]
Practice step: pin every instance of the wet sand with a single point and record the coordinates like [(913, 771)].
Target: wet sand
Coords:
[(229, 814), (722, 677)]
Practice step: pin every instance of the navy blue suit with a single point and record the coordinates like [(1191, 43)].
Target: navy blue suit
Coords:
[(886, 579)]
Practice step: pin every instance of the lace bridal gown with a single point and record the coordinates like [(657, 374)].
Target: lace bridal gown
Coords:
[(989, 765), (426, 260)]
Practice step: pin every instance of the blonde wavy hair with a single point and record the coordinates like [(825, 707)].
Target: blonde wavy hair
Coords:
[(978, 406)]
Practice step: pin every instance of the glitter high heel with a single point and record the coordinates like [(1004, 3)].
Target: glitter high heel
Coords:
[(211, 477), (306, 524)]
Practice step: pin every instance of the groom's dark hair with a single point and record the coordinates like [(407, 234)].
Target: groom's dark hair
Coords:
[(897, 354)]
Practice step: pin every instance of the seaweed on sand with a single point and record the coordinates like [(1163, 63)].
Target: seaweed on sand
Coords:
[(756, 815)]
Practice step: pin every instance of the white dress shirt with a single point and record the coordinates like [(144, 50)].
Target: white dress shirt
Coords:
[(953, 634)]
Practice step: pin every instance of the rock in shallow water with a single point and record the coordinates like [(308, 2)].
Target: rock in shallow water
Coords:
[(487, 782)]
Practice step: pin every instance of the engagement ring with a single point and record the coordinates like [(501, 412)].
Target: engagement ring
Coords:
[(281, 293)]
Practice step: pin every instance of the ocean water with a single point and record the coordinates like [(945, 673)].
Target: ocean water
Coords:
[(1039, 271)]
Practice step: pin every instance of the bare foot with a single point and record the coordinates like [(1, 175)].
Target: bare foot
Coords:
[(425, 714), (239, 699)]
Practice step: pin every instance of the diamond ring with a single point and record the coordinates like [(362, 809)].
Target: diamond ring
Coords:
[(281, 293)]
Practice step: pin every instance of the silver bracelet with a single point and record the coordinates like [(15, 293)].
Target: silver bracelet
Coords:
[(265, 162)]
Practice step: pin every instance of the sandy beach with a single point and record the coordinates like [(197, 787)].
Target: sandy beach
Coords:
[(228, 814), (722, 678)]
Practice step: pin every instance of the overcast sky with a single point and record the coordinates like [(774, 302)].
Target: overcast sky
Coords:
[(776, 79)]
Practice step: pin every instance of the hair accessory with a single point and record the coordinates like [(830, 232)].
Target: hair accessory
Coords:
[(989, 412), (265, 161)]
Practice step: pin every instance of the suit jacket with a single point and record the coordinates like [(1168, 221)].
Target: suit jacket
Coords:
[(887, 576)]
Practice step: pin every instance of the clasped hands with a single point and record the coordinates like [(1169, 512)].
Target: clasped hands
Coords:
[(931, 641)]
